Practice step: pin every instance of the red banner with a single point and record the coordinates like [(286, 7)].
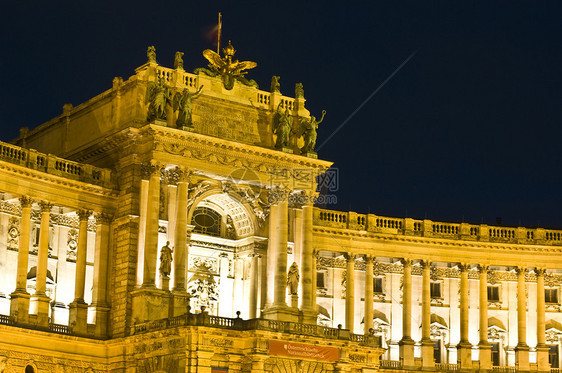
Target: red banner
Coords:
[(305, 351)]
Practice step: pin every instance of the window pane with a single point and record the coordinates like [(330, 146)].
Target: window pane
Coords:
[(493, 293), (320, 279), (377, 285), (435, 288)]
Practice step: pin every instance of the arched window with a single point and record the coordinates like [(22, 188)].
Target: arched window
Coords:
[(206, 221), (29, 369)]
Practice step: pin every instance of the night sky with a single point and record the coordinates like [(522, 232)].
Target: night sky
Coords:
[(469, 129)]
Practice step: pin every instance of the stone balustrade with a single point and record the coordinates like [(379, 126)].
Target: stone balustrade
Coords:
[(428, 228), (53, 165)]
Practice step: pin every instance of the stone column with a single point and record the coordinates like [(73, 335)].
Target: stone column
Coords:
[(428, 362), (40, 300), (350, 292), (19, 299), (464, 348), (407, 343), (78, 309), (368, 319), (151, 234), (542, 349), (101, 269), (280, 291), (484, 346), (308, 269), (254, 286), (237, 288), (181, 249), (521, 350)]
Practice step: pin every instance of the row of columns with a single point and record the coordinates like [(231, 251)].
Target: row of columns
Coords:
[(276, 306), (464, 347), (22, 304)]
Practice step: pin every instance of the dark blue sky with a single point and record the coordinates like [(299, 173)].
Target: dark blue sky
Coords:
[(468, 130)]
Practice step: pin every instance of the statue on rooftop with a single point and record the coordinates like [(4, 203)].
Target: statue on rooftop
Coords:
[(293, 279), (299, 90), (166, 260), (157, 97), (282, 126), (182, 102), (230, 70), (275, 86), (178, 61), (151, 54), (308, 132)]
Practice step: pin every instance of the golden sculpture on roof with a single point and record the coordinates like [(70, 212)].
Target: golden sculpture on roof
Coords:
[(230, 70)]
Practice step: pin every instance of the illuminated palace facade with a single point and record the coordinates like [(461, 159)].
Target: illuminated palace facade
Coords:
[(168, 225)]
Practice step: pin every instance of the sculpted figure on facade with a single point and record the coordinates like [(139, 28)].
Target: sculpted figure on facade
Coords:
[(178, 60), (166, 260), (293, 279), (308, 132), (299, 90), (282, 126), (157, 97), (151, 54), (182, 103), (275, 86)]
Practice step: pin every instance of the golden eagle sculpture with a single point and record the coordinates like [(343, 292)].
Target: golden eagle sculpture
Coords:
[(230, 70)]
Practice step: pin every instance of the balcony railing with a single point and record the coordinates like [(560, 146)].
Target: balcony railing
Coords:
[(203, 319), (53, 165), (428, 228), (446, 367)]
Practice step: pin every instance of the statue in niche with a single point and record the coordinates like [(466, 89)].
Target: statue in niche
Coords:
[(178, 60), (151, 54), (275, 86), (157, 97), (182, 102), (166, 260), (308, 132), (299, 90), (282, 126), (230, 231), (293, 279)]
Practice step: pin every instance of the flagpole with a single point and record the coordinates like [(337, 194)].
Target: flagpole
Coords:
[(219, 34)]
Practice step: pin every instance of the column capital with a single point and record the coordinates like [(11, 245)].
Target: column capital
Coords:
[(520, 270), (483, 268), (150, 168), (406, 262), (463, 267), (176, 175), (540, 272), (254, 255), (369, 259), (349, 257), (83, 214), (425, 264), (45, 206), (103, 218), (25, 201)]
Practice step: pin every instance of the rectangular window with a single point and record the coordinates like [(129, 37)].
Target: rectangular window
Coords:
[(551, 295), (493, 293), (553, 359), (320, 283), (377, 285), (437, 351), (495, 352), (435, 289)]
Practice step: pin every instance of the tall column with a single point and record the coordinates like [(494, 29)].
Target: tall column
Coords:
[(407, 343), (101, 264), (350, 292), (254, 286), (181, 248), (237, 288), (368, 319), (78, 309), (484, 346), (308, 269), (542, 349), (428, 361), (272, 247), (521, 350), (464, 348), (279, 298), (151, 233), (19, 299), (40, 300)]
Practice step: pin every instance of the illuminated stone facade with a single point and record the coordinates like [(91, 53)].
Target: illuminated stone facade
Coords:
[(134, 242)]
